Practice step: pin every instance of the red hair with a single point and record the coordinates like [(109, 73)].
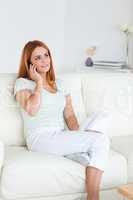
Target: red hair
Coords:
[(25, 61)]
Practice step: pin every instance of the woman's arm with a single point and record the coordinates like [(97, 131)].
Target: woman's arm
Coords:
[(30, 102), (69, 115)]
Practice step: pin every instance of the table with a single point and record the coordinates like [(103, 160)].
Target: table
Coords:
[(126, 191)]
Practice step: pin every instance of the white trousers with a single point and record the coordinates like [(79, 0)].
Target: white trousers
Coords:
[(89, 148)]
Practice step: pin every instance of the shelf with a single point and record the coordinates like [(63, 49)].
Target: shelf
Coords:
[(102, 69)]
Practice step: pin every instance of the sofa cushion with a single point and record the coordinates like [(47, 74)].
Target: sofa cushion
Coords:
[(29, 174), (124, 145), (116, 171), (112, 91)]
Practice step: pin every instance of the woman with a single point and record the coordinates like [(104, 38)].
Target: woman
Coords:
[(45, 104)]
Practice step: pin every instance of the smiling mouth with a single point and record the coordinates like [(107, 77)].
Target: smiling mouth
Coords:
[(45, 66)]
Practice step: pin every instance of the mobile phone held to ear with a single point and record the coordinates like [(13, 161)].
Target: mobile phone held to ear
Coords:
[(29, 63)]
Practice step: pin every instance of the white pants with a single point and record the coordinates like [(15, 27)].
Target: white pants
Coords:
[(89, 148)]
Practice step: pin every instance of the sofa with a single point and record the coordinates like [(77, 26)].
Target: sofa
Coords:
[(27, 175)]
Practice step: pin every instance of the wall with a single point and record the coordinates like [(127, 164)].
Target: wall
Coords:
[(95, 23), (67, 26), (26, 20)]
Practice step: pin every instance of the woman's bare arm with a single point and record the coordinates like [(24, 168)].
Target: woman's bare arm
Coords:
[(69, 115), (30, 101)]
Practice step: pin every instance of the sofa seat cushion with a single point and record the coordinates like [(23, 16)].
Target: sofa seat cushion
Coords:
[(116, 171), (29, 174), (124, 145)]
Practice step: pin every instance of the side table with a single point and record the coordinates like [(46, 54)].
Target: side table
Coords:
[(126, 191)]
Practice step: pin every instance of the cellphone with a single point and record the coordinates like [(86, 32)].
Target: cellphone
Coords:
[(29, 63)]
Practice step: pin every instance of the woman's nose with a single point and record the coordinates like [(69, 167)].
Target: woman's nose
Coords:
[(44, 61)]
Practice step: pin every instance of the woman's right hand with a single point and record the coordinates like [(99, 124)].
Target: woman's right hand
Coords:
[(34, 74)]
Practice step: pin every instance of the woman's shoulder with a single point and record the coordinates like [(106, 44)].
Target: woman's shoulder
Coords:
[(59, 83), (23, 83), (62, 87), (21, 79)]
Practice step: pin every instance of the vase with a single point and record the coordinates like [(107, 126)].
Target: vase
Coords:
[(127, 51)]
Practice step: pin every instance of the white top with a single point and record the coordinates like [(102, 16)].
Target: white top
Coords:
[(50, 114)]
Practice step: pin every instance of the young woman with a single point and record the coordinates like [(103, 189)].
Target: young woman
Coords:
[(45, 104)]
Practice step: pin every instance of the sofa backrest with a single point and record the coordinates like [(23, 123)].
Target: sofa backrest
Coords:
[(90, 92), (11, 122), (112, 91), (11, 126)]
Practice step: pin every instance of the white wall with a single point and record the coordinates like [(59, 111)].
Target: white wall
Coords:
[(67, 26), (95, 23), (21, 21)]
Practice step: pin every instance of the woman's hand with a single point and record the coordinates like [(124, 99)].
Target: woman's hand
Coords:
[(34, 74)]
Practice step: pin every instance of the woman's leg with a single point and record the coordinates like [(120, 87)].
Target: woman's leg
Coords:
[(97, 122), (94, 144), (93, 180), (94, 174)]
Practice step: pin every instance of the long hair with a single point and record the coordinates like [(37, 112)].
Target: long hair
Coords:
[(25, 61)]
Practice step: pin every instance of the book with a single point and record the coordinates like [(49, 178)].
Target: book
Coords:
[(109, 63)]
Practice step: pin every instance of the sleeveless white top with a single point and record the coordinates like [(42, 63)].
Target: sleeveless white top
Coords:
[(50, 114)]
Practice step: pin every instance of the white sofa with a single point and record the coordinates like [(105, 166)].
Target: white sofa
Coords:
[(34, 176)]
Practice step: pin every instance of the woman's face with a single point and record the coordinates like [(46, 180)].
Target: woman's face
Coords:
[(41, 59)]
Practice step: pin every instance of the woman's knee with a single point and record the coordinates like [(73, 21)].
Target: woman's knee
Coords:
[(102, 141)]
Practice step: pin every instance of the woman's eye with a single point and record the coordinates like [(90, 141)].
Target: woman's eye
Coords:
[(46, 54), (37, 58)]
